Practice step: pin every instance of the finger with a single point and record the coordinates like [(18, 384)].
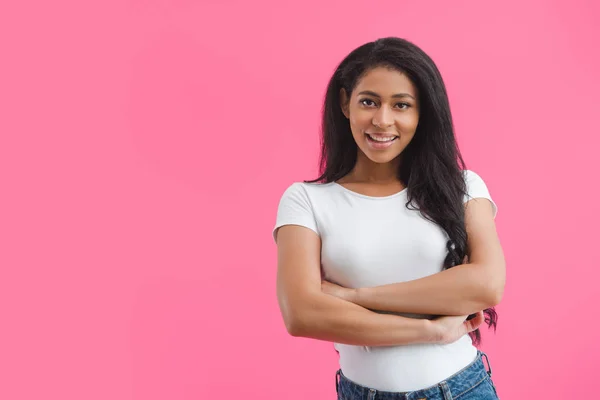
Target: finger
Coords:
[(474, 323)]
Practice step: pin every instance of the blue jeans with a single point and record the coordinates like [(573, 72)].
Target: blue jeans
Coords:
[(474, 382)]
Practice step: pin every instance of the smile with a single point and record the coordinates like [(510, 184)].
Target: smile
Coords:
[(380, 138), (380, 142)]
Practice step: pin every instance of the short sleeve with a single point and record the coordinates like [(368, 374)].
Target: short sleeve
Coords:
[(295, 208), (476, 188)]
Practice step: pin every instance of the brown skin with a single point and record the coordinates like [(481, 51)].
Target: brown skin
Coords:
[(309, 312), (308, 307), (462, 290), (380, 112)]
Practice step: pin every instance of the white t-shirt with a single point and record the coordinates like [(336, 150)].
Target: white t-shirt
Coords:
[(371, 241)]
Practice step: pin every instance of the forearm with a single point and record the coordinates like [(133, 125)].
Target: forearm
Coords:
[(461, 290), (336, 320)]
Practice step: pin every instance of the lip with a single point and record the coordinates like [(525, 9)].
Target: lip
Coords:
[(380, 145), (381, 135)]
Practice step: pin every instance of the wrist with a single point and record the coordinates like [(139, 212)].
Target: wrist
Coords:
[(356, 296), (431, 333)]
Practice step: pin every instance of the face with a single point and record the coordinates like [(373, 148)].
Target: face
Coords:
[(383, 111)]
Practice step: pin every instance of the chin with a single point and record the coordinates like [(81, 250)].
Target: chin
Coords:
[(382, 158)]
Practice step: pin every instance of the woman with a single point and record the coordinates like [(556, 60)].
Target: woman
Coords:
[(392, 253)]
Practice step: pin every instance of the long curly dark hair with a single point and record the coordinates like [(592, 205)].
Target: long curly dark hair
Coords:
[(432, 166)]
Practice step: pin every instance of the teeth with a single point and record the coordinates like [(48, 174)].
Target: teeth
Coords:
[(389, 139)]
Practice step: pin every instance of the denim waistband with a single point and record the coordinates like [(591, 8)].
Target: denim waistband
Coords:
[(465, 379)]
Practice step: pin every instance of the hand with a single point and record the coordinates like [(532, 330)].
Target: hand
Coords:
[(338, 291), (448, 329)]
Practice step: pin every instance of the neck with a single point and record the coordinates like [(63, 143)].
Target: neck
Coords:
[(366, 170)]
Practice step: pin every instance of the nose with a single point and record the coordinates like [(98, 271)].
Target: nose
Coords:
[(383, 118)]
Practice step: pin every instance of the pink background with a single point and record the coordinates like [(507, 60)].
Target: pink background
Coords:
[(145, 145)]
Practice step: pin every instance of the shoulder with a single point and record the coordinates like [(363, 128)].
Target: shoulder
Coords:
[(297, 206), (473, 180), (305, 191), (304, 197), (477, 188), (471, 176)]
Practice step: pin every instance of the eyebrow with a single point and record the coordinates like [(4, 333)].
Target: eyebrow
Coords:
[(398, 95)]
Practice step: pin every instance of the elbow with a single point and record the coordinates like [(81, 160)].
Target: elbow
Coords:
[(294, 325), (494, 292), (300, 313), (295, 321), (489, 281), (496, 295), (492, 299)]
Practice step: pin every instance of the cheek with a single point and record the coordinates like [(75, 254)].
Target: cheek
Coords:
[(408, 123), (358, 126), (360, 120), (360, 117)]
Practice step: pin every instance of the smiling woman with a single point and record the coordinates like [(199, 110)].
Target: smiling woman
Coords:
[(372, 255), (379, 118)]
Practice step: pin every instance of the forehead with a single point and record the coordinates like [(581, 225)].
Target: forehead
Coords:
[(386, 82)]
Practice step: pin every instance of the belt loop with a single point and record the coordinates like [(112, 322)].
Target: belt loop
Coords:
[(337, 382), (446, 391), (488, 364), (371, 395)]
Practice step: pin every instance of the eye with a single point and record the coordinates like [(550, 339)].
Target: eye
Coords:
[(367, 102), (406, 105)]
